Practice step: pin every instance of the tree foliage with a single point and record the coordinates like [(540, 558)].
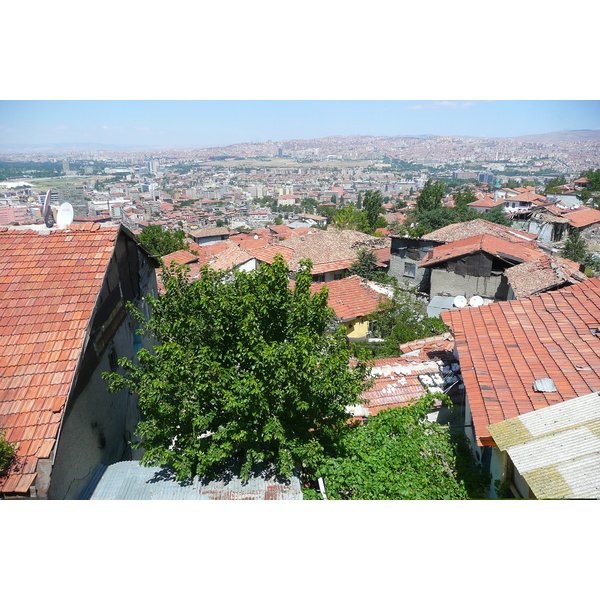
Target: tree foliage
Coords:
[(7, 452), (576, 248), (365, 266), (373, 207), (431, 196), (244, 368), (350, 217), (403, 318), (161, 241), (400, 455)]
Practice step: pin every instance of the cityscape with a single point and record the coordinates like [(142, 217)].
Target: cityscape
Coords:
[(411, 260), (457, 243)]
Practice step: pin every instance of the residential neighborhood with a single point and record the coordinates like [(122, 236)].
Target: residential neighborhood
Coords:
[(514, 365)]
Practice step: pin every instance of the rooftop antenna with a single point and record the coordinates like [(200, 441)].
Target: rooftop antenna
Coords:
[(47, 211), (64, 215)]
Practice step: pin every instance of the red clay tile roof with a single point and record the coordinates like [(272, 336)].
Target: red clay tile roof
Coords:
[(325, 247), (545, 273), (481, 243), (460, 231), (582, 216), (401, 381), (351, 297), (230, 258), (48, 289), (505, 347), (486, 202), (179, 257)]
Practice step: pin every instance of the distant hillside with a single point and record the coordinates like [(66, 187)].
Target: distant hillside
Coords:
[(577, 135)]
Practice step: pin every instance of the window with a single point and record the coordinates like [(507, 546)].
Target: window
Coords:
[(319, 278), (409, 270)]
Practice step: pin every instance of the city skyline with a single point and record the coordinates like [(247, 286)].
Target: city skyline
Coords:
[(214, 123)]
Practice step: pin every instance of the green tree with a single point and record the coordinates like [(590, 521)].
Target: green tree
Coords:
[(463, 198), (403, 318), (373, 207), (431, 196), (575, 247), (244, 367), (7, 452), (553, 186), (350, 217), (400, 455), (365, 266), (161, 241)]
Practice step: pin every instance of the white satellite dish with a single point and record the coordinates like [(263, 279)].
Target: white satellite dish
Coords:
[(475, 301), (64, 215), (460, 301)]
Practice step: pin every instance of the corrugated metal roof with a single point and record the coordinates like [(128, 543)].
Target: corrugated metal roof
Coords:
[(557, 448), (128, 480)]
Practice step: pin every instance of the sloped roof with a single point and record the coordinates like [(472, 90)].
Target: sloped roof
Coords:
[(481, 243), (351, 297), (400, 381), (323, 247), (48, 289), (526, 197), (230, 258), (128, 480), (505, 347), (582, 216), (460, 231), (545, 273), (557, 448), (180, 257), (486, 202)]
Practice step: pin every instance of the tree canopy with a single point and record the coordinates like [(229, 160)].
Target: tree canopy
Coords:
[(243, 368), (365, 266), (431, 196), (400, 455), (576, 248), (373, 207), (161, 241)]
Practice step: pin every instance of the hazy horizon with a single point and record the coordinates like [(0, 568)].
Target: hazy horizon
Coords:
[(212, 123)]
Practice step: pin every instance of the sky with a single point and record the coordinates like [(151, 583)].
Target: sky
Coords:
[(204, 123)]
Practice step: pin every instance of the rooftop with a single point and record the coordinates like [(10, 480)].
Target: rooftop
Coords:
[(499, 247), (505, 347), (543, 274), (459, 231), (48, 290), (351, 297), (556, 449)]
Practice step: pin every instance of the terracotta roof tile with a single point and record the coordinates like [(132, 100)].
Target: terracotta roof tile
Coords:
[(48, 289), (351, 297), (506, 346), (399, 382), (460, 231), (481, 243)]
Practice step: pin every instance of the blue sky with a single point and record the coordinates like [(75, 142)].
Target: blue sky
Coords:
[(215, 123)]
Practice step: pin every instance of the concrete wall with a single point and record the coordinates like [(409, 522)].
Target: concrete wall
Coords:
[(97, 426), (447, 283)]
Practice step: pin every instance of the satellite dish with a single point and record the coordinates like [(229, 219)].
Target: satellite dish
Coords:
[(460, 301), (476, 301), (64, 215)]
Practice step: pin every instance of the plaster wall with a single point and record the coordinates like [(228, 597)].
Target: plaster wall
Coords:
[(98, 425), (448, 283), (357, 329)]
